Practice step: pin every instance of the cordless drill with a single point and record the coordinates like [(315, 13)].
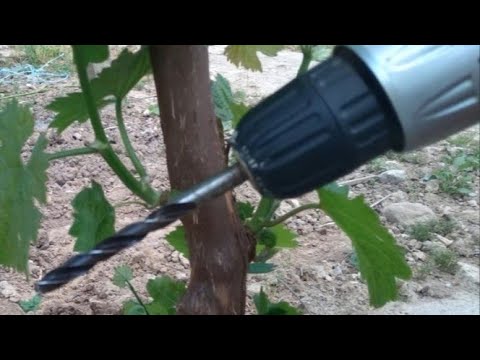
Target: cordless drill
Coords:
[(360, 103), (363, 101)]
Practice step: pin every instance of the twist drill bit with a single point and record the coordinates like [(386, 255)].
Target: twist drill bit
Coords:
[(132, 234), (128, 236)]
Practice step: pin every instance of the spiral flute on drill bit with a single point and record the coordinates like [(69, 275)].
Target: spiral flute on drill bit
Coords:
[(128, 236)]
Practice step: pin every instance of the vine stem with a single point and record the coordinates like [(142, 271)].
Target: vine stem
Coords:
[(288, 215), (307, 59), (126, 141), (106, 150), (71, 152), (134, 292), (265, 210)]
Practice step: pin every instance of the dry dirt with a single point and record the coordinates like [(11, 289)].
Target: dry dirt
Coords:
[(318, 276)]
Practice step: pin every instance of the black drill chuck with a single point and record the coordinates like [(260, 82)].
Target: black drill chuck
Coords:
[(318, 128)]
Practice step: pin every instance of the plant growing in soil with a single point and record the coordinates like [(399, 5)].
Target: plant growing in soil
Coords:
[(224, 239)]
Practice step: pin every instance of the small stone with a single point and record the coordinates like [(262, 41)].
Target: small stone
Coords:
[(138, 258), (407, 214), (414, 244), (77, 136), (471, 216), (184, 262), (435, 291), (8, 291), (318, 272), (181, 276), (430, 246), (444, 240), (432, 186), (337, 270), (473, 203), (60, 181), (464, 246), (328, 278), (469, 272), (393, 176), (103, 308), (398, 196), (393, 165), (254, 288), (419, 255), (446, 211)]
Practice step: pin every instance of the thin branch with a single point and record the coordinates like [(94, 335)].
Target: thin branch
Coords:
[(290, 214), (24, 94), (126, 141), (358, 180), (132, 289), (71, 152), (381, 200)]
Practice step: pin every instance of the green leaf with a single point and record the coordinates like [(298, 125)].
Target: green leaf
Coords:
[(166, 293), (19, 186), (260, 268), (227, 109), (265, 210), (284, 237), (178, 240), (92, 53), (122, 75), (156, 308), (245, 210), (31, 304), (72, 108), (277, 237), (321, 52), (379, 258), (117, 80), (222, 98), (132, 307), (246, 55), (267, 238), (282, 308), (239, 111), (261, 302), (37, 167), (265, 307), (94, 218), (123, 274), (264, 254)]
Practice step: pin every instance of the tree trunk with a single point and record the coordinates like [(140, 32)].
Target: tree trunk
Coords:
[(216, 238)]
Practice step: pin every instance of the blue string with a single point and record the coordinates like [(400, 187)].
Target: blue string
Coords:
[(31, 74)]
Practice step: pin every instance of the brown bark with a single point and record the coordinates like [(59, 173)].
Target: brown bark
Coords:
[(216, 239)]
